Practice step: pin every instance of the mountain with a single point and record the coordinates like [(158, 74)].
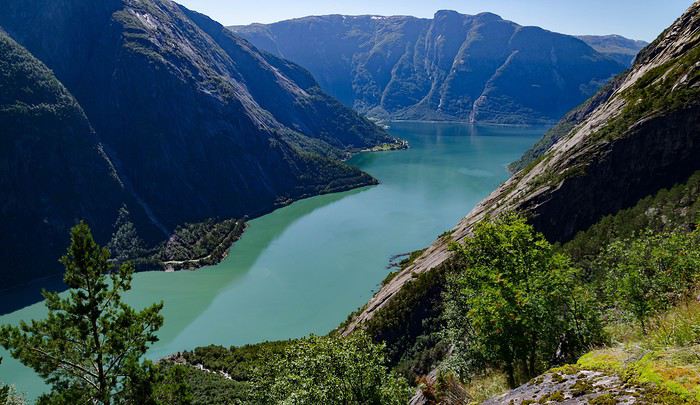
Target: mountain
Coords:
[(616, 47), (196, 122), (477, 68), (49, 155), (639, 135)]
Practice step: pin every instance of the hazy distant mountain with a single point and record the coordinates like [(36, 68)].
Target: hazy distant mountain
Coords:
[(452, 67), (196, 121), (621, 49)]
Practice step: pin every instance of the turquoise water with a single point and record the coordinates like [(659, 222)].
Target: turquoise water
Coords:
[(303, 268)]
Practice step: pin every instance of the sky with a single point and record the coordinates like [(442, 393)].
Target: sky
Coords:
[(637, 19)]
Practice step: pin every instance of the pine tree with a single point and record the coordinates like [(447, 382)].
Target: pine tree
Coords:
[(125, 243), (89, 346)]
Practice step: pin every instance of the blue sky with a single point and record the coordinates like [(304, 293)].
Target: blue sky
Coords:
[(638, 19)]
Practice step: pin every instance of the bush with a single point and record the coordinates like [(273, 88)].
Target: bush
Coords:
[(650, 273), (517, 304), (331, 370)]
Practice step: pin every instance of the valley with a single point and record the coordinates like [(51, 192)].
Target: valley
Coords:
[(276, 285), (434, 207)]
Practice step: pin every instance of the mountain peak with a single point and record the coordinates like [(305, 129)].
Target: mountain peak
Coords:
[(483, 16), (453, 67), (486, 16)]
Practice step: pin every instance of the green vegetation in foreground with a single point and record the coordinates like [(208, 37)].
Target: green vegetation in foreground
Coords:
[(506, 307), (329, 370), (650, 273), (314, 370), (614, 262), (677, 208), (654, 317), (517, 305), (664, 362), (89, 348)]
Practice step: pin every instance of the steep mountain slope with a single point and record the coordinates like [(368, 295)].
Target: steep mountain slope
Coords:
[(49, 155), (452, 67), (644, 136), (617, 47), (566, 124), (197, 122)]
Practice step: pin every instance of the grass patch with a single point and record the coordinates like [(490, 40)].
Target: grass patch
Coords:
[(665, 362), (485, 386)]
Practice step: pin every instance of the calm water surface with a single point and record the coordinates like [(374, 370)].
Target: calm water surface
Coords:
[(303, 268)]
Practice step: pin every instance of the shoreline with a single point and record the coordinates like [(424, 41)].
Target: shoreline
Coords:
[(479, 123), (196, 264)]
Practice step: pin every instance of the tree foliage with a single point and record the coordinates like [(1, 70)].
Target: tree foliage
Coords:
[(125, 243), (517, 304), (669, 210), (89, 346), (647, 274), (330, 370)]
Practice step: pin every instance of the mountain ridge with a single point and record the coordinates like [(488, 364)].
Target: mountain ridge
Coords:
[(617, 47), (453, 67), (50, 154), (197, 122)]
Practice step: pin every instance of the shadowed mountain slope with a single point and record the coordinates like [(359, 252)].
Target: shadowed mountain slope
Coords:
[(197, 122)]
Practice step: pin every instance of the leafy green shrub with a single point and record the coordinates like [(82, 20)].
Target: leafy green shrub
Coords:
[(650, 273), (229, 374), (517, 303), (331, 370), (677, 327), (239, 363)]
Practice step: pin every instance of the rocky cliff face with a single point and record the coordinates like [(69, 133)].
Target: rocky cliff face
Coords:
[(452, 67), (196, 121), (643, 136)]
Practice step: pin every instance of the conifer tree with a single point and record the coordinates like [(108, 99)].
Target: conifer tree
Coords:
[(90, 345)]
